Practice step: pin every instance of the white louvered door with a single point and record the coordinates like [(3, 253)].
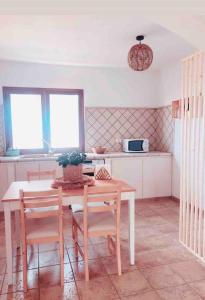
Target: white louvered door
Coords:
[(192, 189)]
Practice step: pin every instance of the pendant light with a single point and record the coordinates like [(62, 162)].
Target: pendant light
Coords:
[(140, 56)]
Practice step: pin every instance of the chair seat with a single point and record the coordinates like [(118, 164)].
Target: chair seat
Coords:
[(104, 221), (42, 228), (79, 207)]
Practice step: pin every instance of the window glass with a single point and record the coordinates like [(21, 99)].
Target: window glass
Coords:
[(64, 121), (26, 117)]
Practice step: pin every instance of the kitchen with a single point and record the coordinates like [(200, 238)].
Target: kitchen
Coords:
[(117, 104)]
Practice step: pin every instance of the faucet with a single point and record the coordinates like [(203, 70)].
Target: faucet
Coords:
[(50, 151)]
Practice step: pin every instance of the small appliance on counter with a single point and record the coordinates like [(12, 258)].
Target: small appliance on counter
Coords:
[(135, 145), (99, 150)]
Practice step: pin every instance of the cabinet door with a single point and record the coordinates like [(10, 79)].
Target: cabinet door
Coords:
[(7, 176), (129, 170), (51, 165), (156, 177), (23, 167)]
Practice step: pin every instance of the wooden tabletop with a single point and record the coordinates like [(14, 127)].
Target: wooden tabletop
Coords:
[(12, 193)]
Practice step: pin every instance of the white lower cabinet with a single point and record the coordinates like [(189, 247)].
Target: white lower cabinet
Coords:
[(7, 175), (157, 177), (150, 176), (23, 167), (129, 170), (51, 165)]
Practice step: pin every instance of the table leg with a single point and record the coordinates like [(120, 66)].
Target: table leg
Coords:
[(132, 228), (8, 237), (17, 228)]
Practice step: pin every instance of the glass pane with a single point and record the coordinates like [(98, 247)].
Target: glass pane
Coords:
[(26, 121), (64, 120)]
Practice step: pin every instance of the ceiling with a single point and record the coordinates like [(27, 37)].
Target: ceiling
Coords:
[(91, 40)]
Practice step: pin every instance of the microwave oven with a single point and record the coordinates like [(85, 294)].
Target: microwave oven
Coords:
[(135, 145)]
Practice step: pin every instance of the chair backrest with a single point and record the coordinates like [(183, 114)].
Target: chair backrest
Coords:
[(109, 195), (37, 175), (41, 204)]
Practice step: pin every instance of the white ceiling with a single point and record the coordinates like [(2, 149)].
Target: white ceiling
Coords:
[(93, 40)]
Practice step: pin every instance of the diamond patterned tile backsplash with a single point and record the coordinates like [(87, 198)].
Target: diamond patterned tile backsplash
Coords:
[(164, 129), (105, 126)]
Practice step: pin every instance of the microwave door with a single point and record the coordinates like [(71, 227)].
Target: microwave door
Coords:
[(135, 146)]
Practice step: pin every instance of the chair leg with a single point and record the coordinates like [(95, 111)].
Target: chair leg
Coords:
[(25, 267), (62, 262), (73, 233), (86, 258), (75, 238), (118, 254)]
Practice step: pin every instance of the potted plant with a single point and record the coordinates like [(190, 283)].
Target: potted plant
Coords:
[(72, 165)]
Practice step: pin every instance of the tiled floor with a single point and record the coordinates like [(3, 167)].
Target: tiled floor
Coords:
[(164, 269)]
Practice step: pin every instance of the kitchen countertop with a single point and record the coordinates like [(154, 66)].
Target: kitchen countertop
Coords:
[(91, 156)]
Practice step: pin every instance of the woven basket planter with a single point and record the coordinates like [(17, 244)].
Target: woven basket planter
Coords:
[(73, 173)]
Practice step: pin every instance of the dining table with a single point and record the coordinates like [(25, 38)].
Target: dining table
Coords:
[(11, 203)]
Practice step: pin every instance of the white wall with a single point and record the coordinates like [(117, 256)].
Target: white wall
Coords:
[(169, 83), (102, 86), (170, 89)]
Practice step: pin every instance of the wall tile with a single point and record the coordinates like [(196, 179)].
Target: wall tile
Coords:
[(105, 125), (164, 129)]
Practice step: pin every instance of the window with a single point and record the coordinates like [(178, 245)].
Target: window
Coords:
[(37, 120)]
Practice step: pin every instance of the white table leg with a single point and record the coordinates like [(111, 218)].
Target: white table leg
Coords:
[(8, 236), (17, 228), (132, 227)]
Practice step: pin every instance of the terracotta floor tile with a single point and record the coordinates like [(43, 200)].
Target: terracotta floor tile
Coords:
[(48, 247), (146, 232), (1, 281), (198, 287), (161, 277), (130, 283), (49, 276), (166, 228), (49, 258), (145, 212), (189, 270), (2, 252), (102, 250), (96, 269), (145, 296), (172, 218), (30, 295), (110, 263), (149, 259), (17, 286), (68, 292), (183, 292), (100, 288), (2, 266), (156, 242)]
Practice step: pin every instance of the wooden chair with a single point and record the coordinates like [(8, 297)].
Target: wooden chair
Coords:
[(41, 222), (40, 174), (100, 220)]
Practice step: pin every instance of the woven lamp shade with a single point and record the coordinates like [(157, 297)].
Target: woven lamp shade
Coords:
[(140, 57)]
